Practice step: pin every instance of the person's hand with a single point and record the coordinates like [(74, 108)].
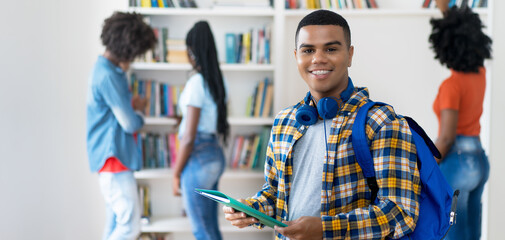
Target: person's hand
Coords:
[(139, 103), (305, 228), (176, 185), (443, 5), (236, 218)]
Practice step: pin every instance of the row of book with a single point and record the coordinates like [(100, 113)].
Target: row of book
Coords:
[(157, 150), (163, 3), (160, 150), (168, 50), (249, 47), (161, 98), (199, 3), (259, 104), (248, 151), (459, 3), (330, 4)]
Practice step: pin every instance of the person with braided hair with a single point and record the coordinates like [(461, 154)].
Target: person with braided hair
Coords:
[(460, 44), (200, 159)]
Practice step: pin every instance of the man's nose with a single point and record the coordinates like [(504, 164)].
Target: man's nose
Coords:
[(319, 57)]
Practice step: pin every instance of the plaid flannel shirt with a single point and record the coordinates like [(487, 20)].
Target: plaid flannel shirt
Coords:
[(346, 212)]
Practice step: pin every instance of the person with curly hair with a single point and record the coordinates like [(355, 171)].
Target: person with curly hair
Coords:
[(460, 44), (200, 160), (113, 116)]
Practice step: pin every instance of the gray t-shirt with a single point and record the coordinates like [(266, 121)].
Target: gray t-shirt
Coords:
[(306, 181)]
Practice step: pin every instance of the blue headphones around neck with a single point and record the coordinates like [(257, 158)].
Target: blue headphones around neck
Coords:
[(327, 107)]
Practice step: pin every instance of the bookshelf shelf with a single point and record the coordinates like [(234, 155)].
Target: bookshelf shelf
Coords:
[(377, 12), (186, 67), (218, 11), (166, 173), (156, 121), (234, 121), (250, 121), (181, 225)]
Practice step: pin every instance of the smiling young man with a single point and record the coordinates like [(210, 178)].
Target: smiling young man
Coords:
[(313, 181)]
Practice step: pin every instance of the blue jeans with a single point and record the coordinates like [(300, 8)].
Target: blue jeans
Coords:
[(203, 170), (122, 205), (466, 168)]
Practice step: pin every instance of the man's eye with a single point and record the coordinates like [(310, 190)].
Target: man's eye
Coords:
[(331, 49), (307, 51)]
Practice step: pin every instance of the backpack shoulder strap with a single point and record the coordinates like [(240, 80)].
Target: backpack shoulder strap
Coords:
[(422, 134), (362, 150)]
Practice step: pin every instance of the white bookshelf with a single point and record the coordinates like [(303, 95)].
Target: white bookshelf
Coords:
[(241, 80)]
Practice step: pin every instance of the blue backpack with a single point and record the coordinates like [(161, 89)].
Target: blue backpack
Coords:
[(437, 200)]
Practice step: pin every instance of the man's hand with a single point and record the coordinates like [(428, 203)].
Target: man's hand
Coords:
[(236, 218), (302, 228)]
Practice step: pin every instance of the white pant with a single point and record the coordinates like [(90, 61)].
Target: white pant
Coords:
[(122, 205)]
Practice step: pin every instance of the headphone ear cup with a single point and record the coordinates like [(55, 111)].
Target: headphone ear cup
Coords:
[(327, 108), (306, 115)]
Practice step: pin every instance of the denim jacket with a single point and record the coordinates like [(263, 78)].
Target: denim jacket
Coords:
[(111, 120)]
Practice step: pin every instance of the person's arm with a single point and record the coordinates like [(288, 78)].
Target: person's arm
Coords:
[(443, 5), (185, 146), (117, 96), (448, 127)]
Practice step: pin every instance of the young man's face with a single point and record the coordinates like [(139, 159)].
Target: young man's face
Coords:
[(323, 57)]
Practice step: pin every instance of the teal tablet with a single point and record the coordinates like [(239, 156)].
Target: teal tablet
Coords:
[(231, 202)]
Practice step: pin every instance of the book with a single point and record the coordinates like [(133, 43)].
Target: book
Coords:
[(259, 99), (268, 101), (233, 203), (231, 46), (263, 96)]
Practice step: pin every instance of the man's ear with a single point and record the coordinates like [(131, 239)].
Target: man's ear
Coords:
[(351, 53), (295, 52)]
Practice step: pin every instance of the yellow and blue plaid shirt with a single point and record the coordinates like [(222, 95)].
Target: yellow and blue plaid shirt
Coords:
[(346, 212)]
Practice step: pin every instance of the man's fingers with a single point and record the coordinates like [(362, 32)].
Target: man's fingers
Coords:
[(243, 222), (227, 209), (285, 231)]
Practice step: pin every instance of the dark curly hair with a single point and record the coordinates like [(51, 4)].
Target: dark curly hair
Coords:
[(127, 36), (201, 44), (458, 40)]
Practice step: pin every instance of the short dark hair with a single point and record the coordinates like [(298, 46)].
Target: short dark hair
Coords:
[(127, 36), (458, 40), (324, 17)]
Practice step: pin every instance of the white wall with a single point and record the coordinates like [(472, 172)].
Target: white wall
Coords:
[(47, 50)]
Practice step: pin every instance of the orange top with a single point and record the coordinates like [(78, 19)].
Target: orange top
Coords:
[(463, 92), (113, 165)]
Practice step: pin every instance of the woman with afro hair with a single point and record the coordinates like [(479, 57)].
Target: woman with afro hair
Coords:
[(112, 118), (460, 44)]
